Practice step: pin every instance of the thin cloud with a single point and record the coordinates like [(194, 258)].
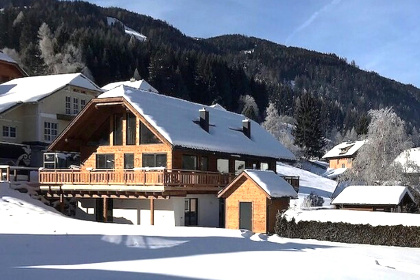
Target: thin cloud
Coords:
[(312, 18)]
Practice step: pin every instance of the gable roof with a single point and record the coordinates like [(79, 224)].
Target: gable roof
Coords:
[(141, 85), (372, 195), (33, 89), (176, 120), (410, 160), (345, 149), (271, 183), (6, 58)]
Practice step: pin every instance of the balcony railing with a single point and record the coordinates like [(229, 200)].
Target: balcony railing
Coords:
[(142, 177)]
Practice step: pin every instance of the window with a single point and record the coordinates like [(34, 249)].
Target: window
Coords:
[(264, 166), (104, 161), (239, 166), (9, 131), (50, 131), (75, 106), (146, 136), (130, 129), (223, 165), (82, 104), (189, 162), (204, 163), (343, 165), (128, 161), (68, 105), (154, 160), (118, 120)]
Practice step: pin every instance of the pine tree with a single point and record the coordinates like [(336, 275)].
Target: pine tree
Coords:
[(308, 133)]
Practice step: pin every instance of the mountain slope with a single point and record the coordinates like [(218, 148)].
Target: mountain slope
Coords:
[(219, 69)]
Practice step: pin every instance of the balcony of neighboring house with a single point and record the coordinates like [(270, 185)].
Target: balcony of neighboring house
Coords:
[(144, 180)]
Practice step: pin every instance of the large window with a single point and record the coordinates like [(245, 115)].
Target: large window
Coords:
[(104, 161), (118, 120), (239, 166), (50, 131), (82, 104), (128, 161), (223, 165), (68, 105), (189, 162), (154, 160), (204, 163), (130, 129), (75, 105), (146, 136), (9, 131)]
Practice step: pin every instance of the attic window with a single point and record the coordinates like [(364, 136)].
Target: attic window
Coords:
[(147, 136)]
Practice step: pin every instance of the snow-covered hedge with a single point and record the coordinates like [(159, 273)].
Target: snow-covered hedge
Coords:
[(398, 235)]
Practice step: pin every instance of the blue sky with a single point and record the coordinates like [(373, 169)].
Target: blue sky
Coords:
[(380, 36)]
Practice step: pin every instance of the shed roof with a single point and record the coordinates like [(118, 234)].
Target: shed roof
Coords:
[(372, 195), (344, 149), (5, 57), (33, 89), (176, 120), (274, 185)]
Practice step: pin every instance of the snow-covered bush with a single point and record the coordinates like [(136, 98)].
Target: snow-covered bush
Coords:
[(312, 200)]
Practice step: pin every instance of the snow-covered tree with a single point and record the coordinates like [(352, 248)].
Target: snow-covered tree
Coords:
[(249, 107), (386, 139)]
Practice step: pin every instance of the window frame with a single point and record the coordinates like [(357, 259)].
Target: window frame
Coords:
[(105, 155), (155, 155), (50, 131), (8, 133)]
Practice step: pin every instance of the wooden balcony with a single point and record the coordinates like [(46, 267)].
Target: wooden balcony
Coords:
[(137, 177)]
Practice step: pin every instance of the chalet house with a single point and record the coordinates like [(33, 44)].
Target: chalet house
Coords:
[(342, 155), (140, 85), (410, 162), (147, 158), (34, 110), (9, 68), (374, 198), (253, 200)]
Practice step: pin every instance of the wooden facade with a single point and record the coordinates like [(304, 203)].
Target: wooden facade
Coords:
[(10, 71), (343, 162)]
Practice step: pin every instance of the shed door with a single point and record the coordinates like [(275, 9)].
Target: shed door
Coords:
[(245, 215)]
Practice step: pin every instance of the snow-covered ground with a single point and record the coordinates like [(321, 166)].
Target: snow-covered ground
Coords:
[(38, 243), (308, 183), (128, 30)]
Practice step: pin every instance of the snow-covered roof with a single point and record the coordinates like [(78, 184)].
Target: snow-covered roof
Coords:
[(176, 120), (344, 149), (372, 195), (5, 57), (332, 173), (271, 183), (141, 85), (33, 89), (410, 160)]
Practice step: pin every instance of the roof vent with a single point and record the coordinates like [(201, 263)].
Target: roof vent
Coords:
[(246, 127), (204, 119)]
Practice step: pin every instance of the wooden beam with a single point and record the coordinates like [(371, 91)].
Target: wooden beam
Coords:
[(152, 211), (105, 212), (61, 203)]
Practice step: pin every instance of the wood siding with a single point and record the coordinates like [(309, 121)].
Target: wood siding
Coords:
[(247, 191), (274, 206), (9, 71), (346, 162)]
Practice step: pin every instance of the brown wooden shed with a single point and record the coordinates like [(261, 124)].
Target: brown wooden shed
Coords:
[(253, 199)]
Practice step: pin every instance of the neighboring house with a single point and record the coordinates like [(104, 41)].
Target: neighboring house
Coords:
[(253, 200), (9, 68), (34, 110), (374, 198), (140, 85), (147, 158), (410, 161), (342, 155)]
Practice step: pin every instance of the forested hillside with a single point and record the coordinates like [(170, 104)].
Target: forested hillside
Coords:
[(51, 36)]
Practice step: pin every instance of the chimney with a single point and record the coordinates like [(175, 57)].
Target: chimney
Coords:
[(246, 127), (204, 119)]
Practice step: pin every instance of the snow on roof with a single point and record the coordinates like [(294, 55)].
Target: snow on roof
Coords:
[(218, 106), (372, 195), (410, 160), (141, 85), (33, 89), (176, 120), (5, 57), (344, 149), (271, 183), (332, 173)]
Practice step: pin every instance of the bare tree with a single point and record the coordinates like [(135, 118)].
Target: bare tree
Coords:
[(386, 139)]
